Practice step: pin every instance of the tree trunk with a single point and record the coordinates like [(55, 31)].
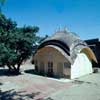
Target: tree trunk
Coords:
[(10, 68), (19, 64), (14, 68), (18, 67)]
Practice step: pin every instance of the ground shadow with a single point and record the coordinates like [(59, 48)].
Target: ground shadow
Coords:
[(22, 95), (13, 95), (1, 83), (32, 71), (49, 98), (6, 72)]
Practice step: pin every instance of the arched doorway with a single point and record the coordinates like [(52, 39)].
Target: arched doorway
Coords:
[(81, 66)]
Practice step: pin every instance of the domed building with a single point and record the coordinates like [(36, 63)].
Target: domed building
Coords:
[(64, 55)]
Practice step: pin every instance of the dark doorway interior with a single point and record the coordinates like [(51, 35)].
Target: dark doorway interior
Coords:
[(50, 69)]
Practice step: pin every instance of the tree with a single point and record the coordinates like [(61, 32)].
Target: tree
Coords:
[(15, 43)]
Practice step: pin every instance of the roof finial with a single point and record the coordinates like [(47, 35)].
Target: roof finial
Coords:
[(58, 29), (66, 29)]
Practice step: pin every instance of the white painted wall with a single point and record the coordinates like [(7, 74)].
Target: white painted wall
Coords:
[(81, 66)]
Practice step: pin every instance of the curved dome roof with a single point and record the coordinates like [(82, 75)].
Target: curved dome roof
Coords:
[(69, 42), (66, 37), (63, 39)]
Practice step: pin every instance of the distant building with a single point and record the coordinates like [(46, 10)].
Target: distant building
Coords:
[(94, 44), (64, 55)]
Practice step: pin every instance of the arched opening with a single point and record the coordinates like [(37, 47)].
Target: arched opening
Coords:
[(57, 43), (83, 63), (54, 59), (89, 54), (81, 66)]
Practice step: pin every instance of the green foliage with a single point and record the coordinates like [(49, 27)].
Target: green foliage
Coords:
[(15, 43)]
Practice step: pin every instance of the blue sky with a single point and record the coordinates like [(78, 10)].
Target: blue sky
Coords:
[(79, 16)]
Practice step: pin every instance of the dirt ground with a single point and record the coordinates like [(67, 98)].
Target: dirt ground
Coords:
[(29, 86)]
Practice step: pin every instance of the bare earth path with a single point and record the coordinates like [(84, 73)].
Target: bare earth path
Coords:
[(28, 86)]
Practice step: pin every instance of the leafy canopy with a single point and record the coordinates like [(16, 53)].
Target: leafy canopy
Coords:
[(15, 43)]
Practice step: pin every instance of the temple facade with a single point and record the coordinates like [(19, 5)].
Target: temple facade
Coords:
[(64, 54)]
